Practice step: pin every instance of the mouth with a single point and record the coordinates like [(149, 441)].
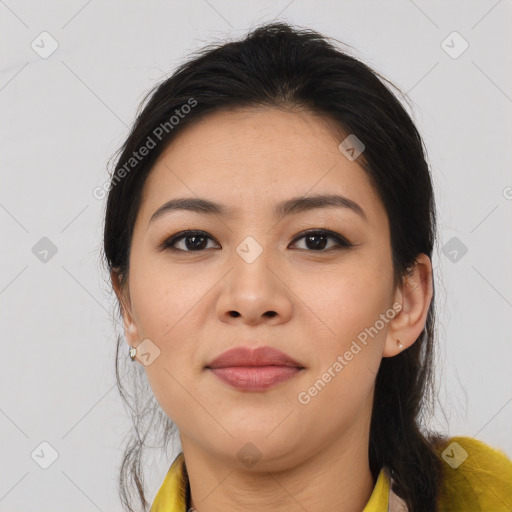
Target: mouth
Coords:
[(254, 369)]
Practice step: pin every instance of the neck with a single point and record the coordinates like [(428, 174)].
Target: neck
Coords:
[(336, 477)]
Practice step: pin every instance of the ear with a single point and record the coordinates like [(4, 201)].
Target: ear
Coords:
[(122, 292), (414, 296)]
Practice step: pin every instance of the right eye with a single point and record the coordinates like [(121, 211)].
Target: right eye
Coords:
[(193, 241)]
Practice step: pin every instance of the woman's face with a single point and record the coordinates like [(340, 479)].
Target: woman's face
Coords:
[(256, 280)]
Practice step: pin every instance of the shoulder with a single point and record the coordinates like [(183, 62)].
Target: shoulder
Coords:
[(475, 476)]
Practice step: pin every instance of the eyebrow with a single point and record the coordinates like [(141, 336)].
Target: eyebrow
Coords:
[(291, 206)]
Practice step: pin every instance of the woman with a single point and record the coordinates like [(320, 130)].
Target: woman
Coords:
[(269, 232)]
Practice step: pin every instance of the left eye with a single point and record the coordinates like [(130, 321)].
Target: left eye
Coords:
[(316, 239), (196, 241)]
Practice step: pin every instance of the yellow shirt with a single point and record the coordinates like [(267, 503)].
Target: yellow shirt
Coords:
[(477, 478)]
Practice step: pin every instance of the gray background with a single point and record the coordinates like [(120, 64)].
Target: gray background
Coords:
[(63, 117)]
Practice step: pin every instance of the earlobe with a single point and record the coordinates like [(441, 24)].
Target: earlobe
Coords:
[(130, 329), (415, 296)]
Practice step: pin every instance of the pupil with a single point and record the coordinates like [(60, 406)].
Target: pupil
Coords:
[(195, 245), (316, 245)]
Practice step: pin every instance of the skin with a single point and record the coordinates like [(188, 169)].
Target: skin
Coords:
[(314, 456)]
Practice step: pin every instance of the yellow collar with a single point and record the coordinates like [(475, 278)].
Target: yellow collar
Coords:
[(171, 497)]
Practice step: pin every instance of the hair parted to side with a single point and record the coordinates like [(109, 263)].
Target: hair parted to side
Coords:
[(277, 65)]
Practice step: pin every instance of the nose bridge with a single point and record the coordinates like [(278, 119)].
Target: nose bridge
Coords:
[(251, 260)]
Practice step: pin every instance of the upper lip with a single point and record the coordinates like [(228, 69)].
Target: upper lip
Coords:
[(246, 356)]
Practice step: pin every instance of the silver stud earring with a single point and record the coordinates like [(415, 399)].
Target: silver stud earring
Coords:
[(132, 352)]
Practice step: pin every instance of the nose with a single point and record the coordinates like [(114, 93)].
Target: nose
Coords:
[(255, 292)]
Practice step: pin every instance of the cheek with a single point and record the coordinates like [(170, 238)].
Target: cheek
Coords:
[(347, 300), (354, 307), (165, 303), (162, 296)]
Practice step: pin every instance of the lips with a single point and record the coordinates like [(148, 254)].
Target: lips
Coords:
[(256, 369), (260, 356)]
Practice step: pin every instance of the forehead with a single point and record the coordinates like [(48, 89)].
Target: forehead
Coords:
[(250, 159)]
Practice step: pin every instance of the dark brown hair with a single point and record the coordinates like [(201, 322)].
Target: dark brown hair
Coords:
[(281, 66)]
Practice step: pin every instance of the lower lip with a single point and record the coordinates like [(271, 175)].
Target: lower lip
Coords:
[(255, 378)]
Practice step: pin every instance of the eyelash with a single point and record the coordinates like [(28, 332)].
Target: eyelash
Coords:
[(341, 242)]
